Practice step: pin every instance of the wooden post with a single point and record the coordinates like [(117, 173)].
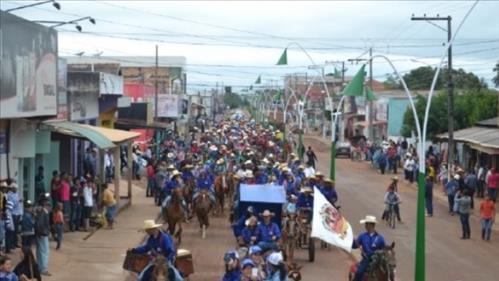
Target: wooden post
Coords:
[(130, 171), (117, 165)]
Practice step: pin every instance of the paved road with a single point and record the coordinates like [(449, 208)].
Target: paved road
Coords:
[(448, 258)]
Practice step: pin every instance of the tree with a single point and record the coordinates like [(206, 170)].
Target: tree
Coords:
[(470, 107), (392, 82), (233, 100), (496, 78), (422, 77)]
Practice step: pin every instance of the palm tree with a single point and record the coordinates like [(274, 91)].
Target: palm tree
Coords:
[(496, 78)]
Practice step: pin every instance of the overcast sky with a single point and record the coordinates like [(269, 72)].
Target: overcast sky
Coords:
[(235, 41)]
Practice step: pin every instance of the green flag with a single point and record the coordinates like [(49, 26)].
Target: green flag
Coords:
[(356, 87), (370, 96), (283, 60), (277, 96), (258, 80)]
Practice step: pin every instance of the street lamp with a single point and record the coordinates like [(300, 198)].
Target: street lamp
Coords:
[(73, 22), (54, 3)]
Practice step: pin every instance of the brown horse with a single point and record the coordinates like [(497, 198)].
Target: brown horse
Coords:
[(188, 192), (161, 271), (202, 207), (294, 271), (221, 188), (381, 267), (173, 214), (290, 235)]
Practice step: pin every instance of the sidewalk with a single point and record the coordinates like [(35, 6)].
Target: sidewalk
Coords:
[(101, 256), (438, 193)]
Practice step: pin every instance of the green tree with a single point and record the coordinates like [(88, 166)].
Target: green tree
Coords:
[(496, 78), (422, 77), (392, 82), (234, 100), (470, 106)]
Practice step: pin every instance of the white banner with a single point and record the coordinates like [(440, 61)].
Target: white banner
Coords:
[(168, 106), (329, 225)]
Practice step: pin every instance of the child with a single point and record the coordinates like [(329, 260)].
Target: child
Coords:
[(59, 224), (6, 270)]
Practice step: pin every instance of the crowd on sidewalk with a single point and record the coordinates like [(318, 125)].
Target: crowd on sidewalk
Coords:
[(63, 203)]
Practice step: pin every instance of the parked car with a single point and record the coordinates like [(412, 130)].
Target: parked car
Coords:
[(343, 148)]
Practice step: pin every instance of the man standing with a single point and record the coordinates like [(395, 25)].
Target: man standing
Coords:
[(109, 201), (39, 182), (492, 182), (481, 181), (42, 232), (369, 242), (471, 184), (451, 188), (311, 157), (429, 196)]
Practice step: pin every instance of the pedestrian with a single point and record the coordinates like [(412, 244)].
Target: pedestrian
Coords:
[(429, 196), (88, 203), (40, 182), (6, 273), (58, 220), (409, 168), (151, 179), (450, 189), (311, 157), (471, 184), (16, 211), (42, 232), (76, 204), (481, 181), (109, 201), (232, 266), (55, 186), (392, 154), (382, 160), (27, 225), (463, 202), (487, 216), (109, 166), (492, 182), (64, 194), (27, 269)]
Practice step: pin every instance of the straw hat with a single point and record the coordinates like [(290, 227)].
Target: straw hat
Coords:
[(150, 224), (264, 160), (248, 162), (369, 219), (329, 181), (188, 166), (171, 167), (395, 178), (220, 161), (169, 155), (249, 174), (174, 173), (319, 174), (306, 189), (213, 148), (301, 167)]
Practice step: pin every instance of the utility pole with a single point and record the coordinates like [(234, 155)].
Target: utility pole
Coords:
[(450, 85), (156, 86)]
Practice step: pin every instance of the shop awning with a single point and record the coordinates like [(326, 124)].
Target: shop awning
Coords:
[(139, 124), (103, 138), (485, 139)]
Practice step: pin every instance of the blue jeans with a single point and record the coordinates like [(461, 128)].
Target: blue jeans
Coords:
[(42, 252), (267, 245), (450, 199), (492, 193), (110, 212), (486, 228), (465, 223), (75, 219), (151, 182), (361, 269), (58, 234), (429, 205)]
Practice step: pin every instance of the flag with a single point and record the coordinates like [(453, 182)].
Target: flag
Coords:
[(283, 60), (337, 73), (251, 87), (277, 96), (356, 87), (370, 96), (329, 225), (258, 80)]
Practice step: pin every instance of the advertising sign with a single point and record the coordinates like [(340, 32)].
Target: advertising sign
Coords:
[(62, 94), (168, 106), (83, 93), (29, 68), (111, 84)]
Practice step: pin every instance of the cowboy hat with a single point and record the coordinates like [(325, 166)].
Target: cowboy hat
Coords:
[(188, 166), (170, 167), (318, 174), (220, 161), (264, 160), (457, 177), (170, 155), (248, 162), (150, 224), (275, 258), (267, 213), (328, 181), (301, 167), (3, 184), (249, 174), (213, 148), (368, 219), (306, 189), (395, 178), (174, 173)]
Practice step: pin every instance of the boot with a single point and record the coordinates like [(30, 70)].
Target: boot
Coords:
[(483, 234)]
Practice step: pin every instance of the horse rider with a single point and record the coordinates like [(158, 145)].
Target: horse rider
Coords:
[(261, 177), (175, 182), (320, 180), (306, 201), (204, 182), (249, 235), (289, 183), (368, 242), (220, 167), (268, 232), (158, 243), (393, 184), (329, 191)]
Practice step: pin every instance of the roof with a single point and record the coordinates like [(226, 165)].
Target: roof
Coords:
[(102, 137), (130, 61), (492, 122), (135, 123), (482, 136)]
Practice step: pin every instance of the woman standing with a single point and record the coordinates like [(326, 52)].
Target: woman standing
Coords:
[(463, 201)]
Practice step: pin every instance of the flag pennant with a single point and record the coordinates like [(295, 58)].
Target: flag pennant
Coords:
[(370, 96), (258, 79), (337, 73), (356, 87), (329, 225), (283, 60)]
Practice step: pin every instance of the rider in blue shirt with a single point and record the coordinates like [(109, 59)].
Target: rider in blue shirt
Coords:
[(158, 243), (175, 182), (250, 233), (204, 182), (268, 232), (239, 225), (330, 192), (368, 242)]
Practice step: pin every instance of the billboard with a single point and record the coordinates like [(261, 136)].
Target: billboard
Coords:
[(62, 94), (169, 106), (111, 84), (83, 94), (29, 68)]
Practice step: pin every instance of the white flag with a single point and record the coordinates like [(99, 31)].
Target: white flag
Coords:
[(329, 225)]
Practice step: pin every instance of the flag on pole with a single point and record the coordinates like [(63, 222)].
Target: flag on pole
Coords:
[(356, 87), (258, 79), (329, 225), (283, 60), (370, 96), (337, 73)]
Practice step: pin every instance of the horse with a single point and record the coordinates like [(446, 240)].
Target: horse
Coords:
[(294, 271), (202, 207), (188, 192), (161, 271), (381, 266), (229, 192), (220, 192), (173, 214), (289, 236)]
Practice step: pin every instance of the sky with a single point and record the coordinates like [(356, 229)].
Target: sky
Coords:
[(233, 42)]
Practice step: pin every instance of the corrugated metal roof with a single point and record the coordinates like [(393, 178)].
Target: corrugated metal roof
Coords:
[(484, 136)]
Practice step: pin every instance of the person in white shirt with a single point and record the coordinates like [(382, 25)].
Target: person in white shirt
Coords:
[(109, 166), (409, 168), (88, 203), (481, 181), (309, 170)]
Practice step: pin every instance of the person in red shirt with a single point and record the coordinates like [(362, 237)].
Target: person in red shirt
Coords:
[(64, 194), (492, 182), (151, 176), (487, 216), (55, 185)]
